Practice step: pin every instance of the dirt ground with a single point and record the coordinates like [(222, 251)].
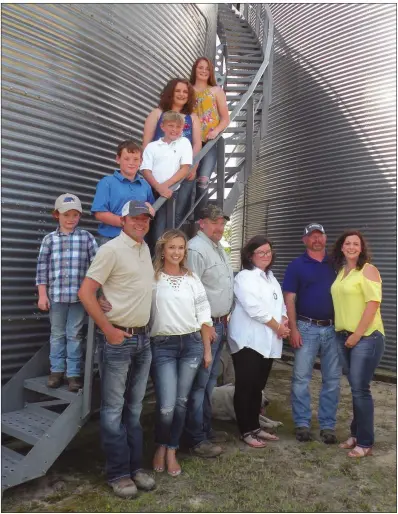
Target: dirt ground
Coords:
[(287, 476)]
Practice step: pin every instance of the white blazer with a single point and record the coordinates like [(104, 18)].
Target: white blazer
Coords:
[(258, 298)]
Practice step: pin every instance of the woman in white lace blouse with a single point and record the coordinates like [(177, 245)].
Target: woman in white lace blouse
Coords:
[(180, 338), (255, 331)]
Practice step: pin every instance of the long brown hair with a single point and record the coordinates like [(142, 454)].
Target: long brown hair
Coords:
[(158, 263), (211, 81), (167, 95), (337, 255)]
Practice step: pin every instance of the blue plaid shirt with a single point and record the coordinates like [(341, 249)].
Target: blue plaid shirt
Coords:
[(63, 262)]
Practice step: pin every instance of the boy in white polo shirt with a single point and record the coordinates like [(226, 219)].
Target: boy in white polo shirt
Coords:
[(165, 162)]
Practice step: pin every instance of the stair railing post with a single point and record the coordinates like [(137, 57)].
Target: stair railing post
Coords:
[(246, 12), (249, 138), (258, 19), (220, 172), (88, 369), (170, 213)]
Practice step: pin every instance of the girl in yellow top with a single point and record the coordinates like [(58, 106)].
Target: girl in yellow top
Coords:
[(356, 296), (212, 110)]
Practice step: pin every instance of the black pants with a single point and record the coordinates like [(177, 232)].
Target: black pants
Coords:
[(251, 375)]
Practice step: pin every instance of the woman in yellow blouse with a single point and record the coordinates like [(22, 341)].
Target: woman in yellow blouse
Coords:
[(356, 296)]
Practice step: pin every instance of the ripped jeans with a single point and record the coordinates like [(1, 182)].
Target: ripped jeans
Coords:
[(175, 362)]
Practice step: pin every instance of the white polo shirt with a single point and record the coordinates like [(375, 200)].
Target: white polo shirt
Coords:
[(165, 159)]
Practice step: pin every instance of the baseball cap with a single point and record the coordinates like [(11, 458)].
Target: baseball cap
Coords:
[(213, 212), (135, 208), (312, 227), (67, 202)]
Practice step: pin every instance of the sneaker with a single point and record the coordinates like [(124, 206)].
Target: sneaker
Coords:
[(217, 436), (144, 481), (328, 436), (75, 384), (303, 434), (55, 379), (206, 449), (124, 488)]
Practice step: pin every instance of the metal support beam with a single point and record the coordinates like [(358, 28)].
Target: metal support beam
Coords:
[(88, 369), (249, 139), (258, 19), (170, 212), (220, 172), (246, 12)]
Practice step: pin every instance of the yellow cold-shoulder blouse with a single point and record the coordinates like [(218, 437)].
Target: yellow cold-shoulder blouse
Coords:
[(350, 295)]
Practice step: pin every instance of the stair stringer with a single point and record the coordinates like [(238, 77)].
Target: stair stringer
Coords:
[(45, 452), (13, 392)]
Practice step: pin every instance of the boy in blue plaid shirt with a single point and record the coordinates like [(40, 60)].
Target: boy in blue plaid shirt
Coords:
[(64, 258)]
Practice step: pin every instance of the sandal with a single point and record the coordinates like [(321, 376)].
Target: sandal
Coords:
[(262, 434), (359, 452), (159, 468), (253, 441), (349, 444)]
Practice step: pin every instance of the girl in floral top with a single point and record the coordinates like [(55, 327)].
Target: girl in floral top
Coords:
[(212, 110)]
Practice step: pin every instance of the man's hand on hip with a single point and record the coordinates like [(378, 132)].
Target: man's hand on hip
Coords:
[(295, 338), (116, 336)]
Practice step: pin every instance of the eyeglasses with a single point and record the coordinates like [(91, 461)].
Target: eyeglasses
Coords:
[(264, 254)]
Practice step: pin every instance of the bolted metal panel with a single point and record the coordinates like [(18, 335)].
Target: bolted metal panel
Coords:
[(76, 80), (330, 153)]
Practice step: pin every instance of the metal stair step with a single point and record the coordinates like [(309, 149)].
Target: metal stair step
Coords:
[(229, 130), (245, 65), (257, 117), (243, 58), (39, 385), (25, 425), (9, 461), (242, 80), (231, 89), (239, 54), (240, 73), (235, 155)]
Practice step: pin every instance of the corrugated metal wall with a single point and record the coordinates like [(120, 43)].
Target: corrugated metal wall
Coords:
[(330, 153), (76, 80)]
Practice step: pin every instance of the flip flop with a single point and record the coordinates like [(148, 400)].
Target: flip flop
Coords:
[(253, 441), (349, 444), (174, 473), (360, 452), (158, 469)]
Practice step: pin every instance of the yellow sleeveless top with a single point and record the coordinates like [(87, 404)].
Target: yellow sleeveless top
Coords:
[(206, 109), (350, 295)]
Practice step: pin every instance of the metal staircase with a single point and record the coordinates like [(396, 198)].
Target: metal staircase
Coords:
[(42, 421)]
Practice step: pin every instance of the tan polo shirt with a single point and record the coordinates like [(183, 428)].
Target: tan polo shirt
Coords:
[(124, 269)]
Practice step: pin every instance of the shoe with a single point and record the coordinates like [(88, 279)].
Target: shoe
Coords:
[(207, 450), (349, 444), (217, 436), (303, 434), (144, 481), (328, 436), (253, 440), (360, 452), (75, 384), (124, 488), (55, 379)]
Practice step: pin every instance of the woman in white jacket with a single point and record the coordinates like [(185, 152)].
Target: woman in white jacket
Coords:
[(257, 326)]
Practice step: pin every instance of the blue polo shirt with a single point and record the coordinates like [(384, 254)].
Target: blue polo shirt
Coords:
[(113, 192), (311, 280)]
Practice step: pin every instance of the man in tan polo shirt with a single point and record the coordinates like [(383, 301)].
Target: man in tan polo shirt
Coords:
[(123, 269)]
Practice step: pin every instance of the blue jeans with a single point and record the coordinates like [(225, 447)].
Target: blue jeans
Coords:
[(159, 224), (184, 200), (323, 340), (359, 364), (204, 171), (67, 321), (199, 413), (124, 377), (176, 360)]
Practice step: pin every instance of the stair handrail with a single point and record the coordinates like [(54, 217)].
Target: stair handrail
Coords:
[(243, 101)]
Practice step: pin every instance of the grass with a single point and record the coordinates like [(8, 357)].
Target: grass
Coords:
[(284, 477)]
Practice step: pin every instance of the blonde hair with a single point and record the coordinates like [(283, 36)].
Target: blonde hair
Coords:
[(158, 263), (173, 116)]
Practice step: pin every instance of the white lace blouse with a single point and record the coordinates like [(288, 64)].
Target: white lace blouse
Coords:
[(179, 305)]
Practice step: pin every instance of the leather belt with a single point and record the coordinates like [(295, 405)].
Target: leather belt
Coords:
[(317, 322), (344, 333), (220, 319), (132, 330)]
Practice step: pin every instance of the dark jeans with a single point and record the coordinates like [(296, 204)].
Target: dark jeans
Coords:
[(124, 377), (184, 200), (204, 171), (199, 413), (159, 224), (176, 360), (359, 364), (251, 375)]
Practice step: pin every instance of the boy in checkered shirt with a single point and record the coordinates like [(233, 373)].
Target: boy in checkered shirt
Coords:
[(64, 258)]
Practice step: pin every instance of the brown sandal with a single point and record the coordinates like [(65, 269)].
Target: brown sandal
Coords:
[(349, 444), (266, 436), (360, 452), (253, 441)]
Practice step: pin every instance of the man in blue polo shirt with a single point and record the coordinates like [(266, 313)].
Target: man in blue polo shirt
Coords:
[(306, 287), (116, 190)]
